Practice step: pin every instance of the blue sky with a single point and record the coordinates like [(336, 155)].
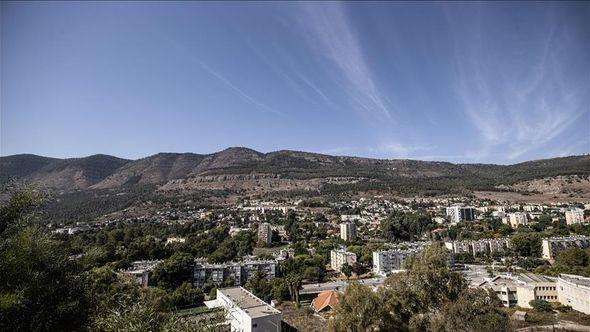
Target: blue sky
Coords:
[(459, 82)]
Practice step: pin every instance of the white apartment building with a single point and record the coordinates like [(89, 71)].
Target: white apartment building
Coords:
[(245, 312), (517, 218), (348, 231), (574, 216), (264, 233), (389, 261), (479, 247), (339, 257), (460, 213), (574, 291), (553, 246)]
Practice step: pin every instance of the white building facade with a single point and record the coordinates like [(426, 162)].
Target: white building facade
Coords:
[(574, 291), (245, 312), (574, 216), (339, 257), (348, 231)]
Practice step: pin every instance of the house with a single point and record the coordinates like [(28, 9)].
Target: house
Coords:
[(325, 301)]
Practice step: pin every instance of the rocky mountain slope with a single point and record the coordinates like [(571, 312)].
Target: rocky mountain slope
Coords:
[(242, 168)]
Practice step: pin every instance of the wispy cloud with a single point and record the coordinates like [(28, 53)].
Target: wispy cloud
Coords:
[(330, 34), (300, 84), (237, 90), (519, 101)]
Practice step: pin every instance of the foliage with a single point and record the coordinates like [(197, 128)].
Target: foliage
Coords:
[(427, 297), (173, 271), (527, 244), (570, 261), (40, 286), (474, 310), (346, 269), (540, 305), (401, 226), (20, 204), (187, 296), (572, 257), (360, 309), (142, 316)]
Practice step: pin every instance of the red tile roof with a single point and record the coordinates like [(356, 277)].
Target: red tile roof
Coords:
[(325, 299)]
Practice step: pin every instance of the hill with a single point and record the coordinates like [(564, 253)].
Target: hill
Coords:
[(242, 169), (62, 174)]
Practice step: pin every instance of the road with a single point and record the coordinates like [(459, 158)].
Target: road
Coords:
[(339, 285)]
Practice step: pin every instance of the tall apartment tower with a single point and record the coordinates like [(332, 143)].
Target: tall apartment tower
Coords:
[(348, 231), (574, 216), (264, 233), (460, 213)]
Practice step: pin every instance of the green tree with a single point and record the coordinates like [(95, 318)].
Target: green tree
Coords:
[(541, 305), (346, 270), (294, 282), (527, 244), (187, 296), (41, 287), (135, 318), (108, 289), (20, 205), (259, 286), (474, 310), (572, 257), (361, 309), (173, 271), (280, 289), (312, 273), (401, 226)]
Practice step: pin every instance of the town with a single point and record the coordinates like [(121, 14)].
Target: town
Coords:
[(308, 252)]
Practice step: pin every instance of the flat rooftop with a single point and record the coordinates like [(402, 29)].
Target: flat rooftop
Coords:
[(532, 278), (578, 280), (249, 303)]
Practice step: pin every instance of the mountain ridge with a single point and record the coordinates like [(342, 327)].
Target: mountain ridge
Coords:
[(102, 171)]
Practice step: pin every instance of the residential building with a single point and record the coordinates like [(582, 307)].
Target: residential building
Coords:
[(234, 273), (574, 291), (574, 216), (281, 231), (460, 213), (388, 261), (175, 240), (553, 246), (140, 270), (245, 312), (348, 231), (286, 253), (481, 247), (233, 231), (350, 217), (264, 233), (339, 257), (517, 219)]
